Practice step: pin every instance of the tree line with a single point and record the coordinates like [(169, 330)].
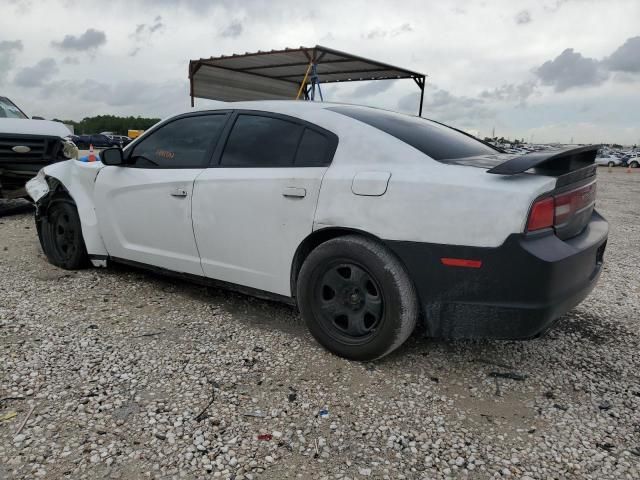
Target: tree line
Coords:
[(109, 123)]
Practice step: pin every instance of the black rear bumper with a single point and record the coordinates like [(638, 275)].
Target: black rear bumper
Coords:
[(522, 287)]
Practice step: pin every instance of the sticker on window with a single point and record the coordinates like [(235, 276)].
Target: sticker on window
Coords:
[(165, 154)]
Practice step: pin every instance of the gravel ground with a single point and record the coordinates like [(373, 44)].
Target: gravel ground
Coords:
[(130, 375)]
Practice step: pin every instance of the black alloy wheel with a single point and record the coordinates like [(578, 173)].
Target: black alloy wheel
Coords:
[(60, 233), (349, 301), (356, 297)]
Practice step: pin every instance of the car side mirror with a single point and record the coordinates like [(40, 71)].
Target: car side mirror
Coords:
[(112, 156)]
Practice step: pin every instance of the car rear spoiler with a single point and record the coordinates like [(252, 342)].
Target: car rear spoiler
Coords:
[(551, 161)]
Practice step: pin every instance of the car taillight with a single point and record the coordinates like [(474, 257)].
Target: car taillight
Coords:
[(541, 215), (570, 203), (556, 210)]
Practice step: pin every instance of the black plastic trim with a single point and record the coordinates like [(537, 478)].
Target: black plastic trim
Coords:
[(520, 289), (205, 281), (551, 160)]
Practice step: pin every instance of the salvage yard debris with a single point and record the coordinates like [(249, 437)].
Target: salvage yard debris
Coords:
[(8, 416), (509, 375)]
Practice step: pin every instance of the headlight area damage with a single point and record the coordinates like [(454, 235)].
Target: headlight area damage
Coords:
[(22, 156)]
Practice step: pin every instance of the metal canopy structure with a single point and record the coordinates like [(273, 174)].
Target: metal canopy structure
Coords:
[(286, 74)]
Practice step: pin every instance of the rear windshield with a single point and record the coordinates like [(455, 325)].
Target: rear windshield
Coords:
[(440, 142), (9, 110)]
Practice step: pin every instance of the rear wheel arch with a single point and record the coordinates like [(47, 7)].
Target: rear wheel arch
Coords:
[(317, 238)]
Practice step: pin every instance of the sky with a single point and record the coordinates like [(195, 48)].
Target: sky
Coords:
[(543, 70)]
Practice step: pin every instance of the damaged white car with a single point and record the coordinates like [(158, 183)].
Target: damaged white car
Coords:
[(370, 221)]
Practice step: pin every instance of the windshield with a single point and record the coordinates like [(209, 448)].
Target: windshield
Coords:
[(440, 142), (9, 110)]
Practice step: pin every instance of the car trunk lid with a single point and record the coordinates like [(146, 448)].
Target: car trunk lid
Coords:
[(568, 208)]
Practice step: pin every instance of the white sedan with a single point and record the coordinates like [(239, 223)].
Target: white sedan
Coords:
[(608, 161), (370, 221)]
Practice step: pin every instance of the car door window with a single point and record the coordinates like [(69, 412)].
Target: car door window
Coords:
[(261, 141), (314, 150), (182, 143)]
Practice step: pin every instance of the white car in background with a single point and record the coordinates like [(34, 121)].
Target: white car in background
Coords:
[(608, 160), (27, 145), (369, 220)]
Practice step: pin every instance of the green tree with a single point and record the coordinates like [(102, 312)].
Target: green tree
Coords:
[(110, 123)]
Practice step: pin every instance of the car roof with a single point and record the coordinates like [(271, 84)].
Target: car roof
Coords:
[(276, 106), (311, 111)]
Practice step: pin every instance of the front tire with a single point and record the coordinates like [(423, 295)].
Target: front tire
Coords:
[(634, 164), (60, 235), (357, 298)]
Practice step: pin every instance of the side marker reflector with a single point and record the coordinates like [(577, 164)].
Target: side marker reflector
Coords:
[(461, 262)]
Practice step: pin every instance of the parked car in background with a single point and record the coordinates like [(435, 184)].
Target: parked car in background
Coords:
[(121, 140), (368, 220), (608, 160), (27, 145), (97, 140)]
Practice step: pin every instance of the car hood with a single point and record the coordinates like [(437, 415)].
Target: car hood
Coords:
[(24, 126)]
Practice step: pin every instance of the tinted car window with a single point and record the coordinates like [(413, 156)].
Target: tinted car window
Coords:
[(314, 150), (431, 138), (9, 110), (182, 143), (257, 141)]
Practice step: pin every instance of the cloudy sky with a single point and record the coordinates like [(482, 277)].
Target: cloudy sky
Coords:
[(547, 70)]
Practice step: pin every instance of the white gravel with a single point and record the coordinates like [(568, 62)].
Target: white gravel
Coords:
[(120, 365)]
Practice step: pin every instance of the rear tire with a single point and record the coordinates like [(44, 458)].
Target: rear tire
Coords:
[(357, 298), (60, 235), (611, 164)]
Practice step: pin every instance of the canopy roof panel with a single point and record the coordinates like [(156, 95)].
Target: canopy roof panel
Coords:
[(278, 74)]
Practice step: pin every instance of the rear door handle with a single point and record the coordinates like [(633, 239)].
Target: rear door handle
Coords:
[(178, 192), (294, 192)]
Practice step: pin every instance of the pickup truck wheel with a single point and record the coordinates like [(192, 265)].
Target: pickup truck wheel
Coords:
[(356, 298), (60, 235), (634, 164), (611, 164)]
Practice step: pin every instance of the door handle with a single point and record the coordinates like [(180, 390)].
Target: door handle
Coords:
[(294, 192), (178, 192)]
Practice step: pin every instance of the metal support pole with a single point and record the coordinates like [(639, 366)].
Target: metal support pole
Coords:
[(421, 96), (304, 80)]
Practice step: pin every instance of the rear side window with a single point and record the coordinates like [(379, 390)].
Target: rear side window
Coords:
[(314, 150), (431, 138), (182, 143), (257, 141)]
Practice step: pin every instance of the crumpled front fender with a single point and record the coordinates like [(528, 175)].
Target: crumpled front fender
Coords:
[(77, 179)]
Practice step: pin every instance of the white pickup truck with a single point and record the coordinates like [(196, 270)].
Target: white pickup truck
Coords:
[(27, 145)]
